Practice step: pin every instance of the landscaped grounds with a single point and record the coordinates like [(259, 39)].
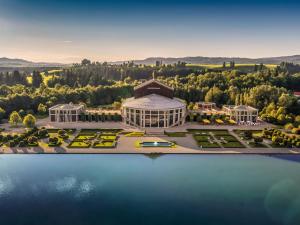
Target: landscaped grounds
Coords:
[(215, 138), (95, 138)]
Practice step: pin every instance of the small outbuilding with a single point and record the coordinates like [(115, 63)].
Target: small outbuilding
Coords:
[(66, 112), (241, 113)]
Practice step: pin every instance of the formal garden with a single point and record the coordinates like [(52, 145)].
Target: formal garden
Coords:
[(215, 138), (210, 119), (95, 138)]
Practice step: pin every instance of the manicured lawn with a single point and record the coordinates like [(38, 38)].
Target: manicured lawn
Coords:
[(228, 138), (135, 134), (85, 136), (79, 144), (55, 130), (207, 131), (202, 137), (108, 137), (100, 130), (257, 145), (51, 144), (205, 141), (233, 144), (104, 144), (175, 134), (206, 144)]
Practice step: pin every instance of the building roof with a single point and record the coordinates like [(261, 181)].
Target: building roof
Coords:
[(69, 106), (152, 81), (297, 93), (154, 101), (240, 107), (206, 103)]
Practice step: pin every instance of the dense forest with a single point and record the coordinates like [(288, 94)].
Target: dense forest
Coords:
[(268, 89)]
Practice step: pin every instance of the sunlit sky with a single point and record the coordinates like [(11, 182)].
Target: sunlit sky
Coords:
[(68, 30)]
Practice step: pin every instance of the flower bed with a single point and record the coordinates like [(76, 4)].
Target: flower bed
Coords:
[(108, 137), (85, 137), (79, 144), (135, 134), (105, 144)]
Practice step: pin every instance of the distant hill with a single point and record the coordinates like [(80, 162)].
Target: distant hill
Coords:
[(219, 60), (12, 63)]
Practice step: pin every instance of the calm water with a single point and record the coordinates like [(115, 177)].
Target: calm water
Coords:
[(135, 189)]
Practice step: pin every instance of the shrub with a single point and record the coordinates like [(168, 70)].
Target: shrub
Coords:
[(32, 139), (22, 144), (53, 140), (296, 130), (248, 134), (288, 126), (258, 139), (11, 143), (42, 133), (61, 132)]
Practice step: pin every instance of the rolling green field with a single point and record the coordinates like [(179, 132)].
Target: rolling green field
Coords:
[(237, 66), (46, 78)]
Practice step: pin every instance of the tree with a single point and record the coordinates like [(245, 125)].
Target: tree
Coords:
[(37, 79), (2, 114), (297, 120), (288, 126), (85, 62), (29, 121), (190, 106), (214, 95), (42, 109), (14, 118), (22, 113), (257, 139), (116, 105)]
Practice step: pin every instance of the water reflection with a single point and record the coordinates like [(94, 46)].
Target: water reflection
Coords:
[(6, 186), (289, 157)]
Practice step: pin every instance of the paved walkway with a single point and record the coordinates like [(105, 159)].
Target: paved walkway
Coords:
[(185, 145)]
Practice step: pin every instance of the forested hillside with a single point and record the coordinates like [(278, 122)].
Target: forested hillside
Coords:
[(100, 84)]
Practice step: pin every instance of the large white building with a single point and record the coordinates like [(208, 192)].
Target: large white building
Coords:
[(153, 105)]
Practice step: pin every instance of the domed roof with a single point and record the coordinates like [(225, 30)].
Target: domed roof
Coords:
[(154, 101)]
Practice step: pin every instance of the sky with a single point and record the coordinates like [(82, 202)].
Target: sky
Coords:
[(67, 31)]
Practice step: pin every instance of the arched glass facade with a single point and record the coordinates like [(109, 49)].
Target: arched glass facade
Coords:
[(162, 118)]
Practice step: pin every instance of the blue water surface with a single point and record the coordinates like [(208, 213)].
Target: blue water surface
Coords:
[(138, 190)]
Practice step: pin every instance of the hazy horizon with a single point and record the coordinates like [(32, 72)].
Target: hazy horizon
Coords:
[(66, 31)]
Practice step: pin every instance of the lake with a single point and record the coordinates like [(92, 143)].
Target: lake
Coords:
[(138, 189)]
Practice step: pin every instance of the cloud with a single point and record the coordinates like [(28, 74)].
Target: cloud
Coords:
[(67, 41)]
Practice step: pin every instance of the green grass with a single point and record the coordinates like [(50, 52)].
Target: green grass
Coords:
[(101, 130), (135, 134), (104, 144), (108, 137), (175, 134), (257, 145), (203, 141), (79, 144), (233, 144), (55, 130), (51, 144), (207, 131), (228, 138), (206, 144), (201, 137), (85, 136)]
